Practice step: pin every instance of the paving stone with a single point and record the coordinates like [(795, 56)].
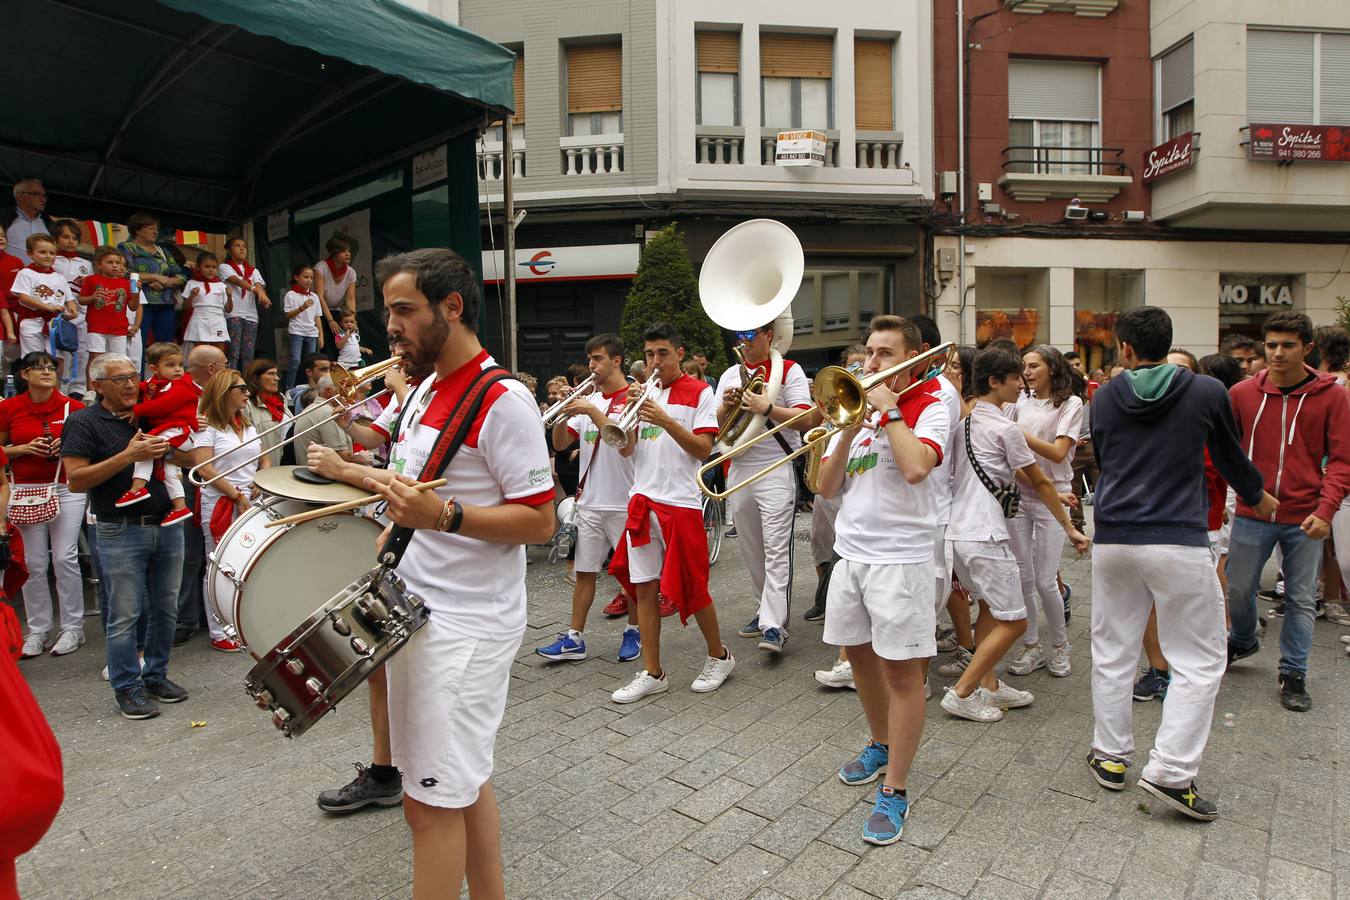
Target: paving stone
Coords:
[(1293, 881), (1216, 881), (1066, 884), (777, 795), (884, 871), (723, 835), (994, 887), (812, 871), (740, 875), (792, 830), (666, 876), (957, 864), (710, 801)]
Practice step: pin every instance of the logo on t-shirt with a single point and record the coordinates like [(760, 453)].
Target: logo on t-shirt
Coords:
[(590, 435), (860, 464), (540, 476), (650, 432)]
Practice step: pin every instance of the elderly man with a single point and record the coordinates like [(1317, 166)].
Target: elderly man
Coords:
[(327, 434), (142, 562), (27, 216)]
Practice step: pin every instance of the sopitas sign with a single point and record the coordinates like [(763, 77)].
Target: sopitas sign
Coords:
[(1172, 156), (1312, 143)]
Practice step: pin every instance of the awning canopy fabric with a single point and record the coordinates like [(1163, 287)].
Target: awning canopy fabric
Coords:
[(222, 110)]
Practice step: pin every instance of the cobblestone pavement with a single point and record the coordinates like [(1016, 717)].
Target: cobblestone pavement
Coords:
[(721, 795)]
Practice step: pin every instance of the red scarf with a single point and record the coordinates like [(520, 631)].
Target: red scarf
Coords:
[(198, 276), (276, 405), (338, 270), (244, 269), (45, 270), (68, 254)]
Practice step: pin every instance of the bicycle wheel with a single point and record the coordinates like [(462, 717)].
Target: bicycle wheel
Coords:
[(712, 526)]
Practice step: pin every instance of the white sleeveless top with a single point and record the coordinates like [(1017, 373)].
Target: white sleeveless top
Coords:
[(335, 290)]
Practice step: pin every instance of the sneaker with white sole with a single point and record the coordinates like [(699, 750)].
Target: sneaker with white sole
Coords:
[(1337, 614), (68, 642), (34, 644), (630, 645), (570, 645), (643, 684), (946, 640), (1057, 661), (1009, 697), (841, 676), (715, 671), (953, 667), (976, 707), (1028, 660)]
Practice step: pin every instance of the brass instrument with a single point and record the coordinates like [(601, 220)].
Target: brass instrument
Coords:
[(552, 414), (818, 439), (739, 421), (345, 382), (615, 434), (841, 397)]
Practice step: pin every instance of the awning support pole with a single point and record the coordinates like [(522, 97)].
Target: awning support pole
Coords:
[(509, 243)]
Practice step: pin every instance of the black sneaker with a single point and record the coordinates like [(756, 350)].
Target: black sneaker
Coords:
[(166, 691), (1110, 773), (1319, 610), (815, 613), (135, 704), (1293, 692), (181, 636), (360, 792), (1065, 592), (1152, 684), (1237, 651), (1276, 611), (1186, 801)]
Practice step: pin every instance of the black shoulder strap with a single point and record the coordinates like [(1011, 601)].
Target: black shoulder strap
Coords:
[(975, 463)]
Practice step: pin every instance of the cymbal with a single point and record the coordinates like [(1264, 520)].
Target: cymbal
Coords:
[(281, 481)]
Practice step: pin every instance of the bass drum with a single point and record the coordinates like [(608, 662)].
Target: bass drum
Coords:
[(262, 582)]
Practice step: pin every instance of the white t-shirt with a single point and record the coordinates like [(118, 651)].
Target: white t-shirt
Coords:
[(305, 323), (335, 289), (1042, 419), (76, 269), (1001, 449), (232, 450), (478, 587), (883, 518), (50, 288), (942, 475), (208, 311), (245, 302), (795, 393), (349, 354), (609, 479), (663, 471)]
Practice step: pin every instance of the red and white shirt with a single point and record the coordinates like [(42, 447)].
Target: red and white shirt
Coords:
[(49, 287), (795, 393), (609, 478), (883, 518), (76, 269), (943, 476), (107, 314), (478, 587), (662, 470)]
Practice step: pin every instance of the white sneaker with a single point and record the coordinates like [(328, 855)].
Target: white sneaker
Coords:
[(953, 667), (927, 690), (69, 641), (641, 685), (1009, 697), (1345, 639), (34, 644), (715, 671), (1058, 661), (1028, 660), (841, 676), (976, 707)]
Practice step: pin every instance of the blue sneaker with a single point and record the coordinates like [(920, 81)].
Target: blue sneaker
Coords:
[(631, 648), (569, 645), (887, 821), (870, 763), (773, 640), (750, 629)]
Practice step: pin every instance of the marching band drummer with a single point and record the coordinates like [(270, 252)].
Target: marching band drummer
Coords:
[(466, 561), (763, 511)]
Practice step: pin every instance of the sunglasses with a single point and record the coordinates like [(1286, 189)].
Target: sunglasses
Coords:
[(746, 337), (239, 387)]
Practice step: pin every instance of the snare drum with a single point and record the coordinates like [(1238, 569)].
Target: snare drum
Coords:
[(261, 582)]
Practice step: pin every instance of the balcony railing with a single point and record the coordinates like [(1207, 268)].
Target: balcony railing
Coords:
[(491, 159), (1093, 174), (719, 145), (599, 154), (768, 144), (1095, 9), (879, 149)]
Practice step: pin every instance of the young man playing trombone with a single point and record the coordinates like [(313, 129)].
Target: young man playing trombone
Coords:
[(880, 603), (602, 493), (763, 511)]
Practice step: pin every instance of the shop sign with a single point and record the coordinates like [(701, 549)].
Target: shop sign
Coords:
[(800, 148), (1313, 143), (1172, 156), (1270, 291), (566, 263)]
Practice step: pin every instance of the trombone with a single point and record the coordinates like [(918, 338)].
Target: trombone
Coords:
[(615, 434), (552, 414), (345, 382), (841, 397)]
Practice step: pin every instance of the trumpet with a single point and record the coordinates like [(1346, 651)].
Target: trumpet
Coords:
[(552, 414), (345, 382), (615, 434), (739, 421), (841, 397)]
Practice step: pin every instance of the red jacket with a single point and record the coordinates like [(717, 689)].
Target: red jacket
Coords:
[(1288, 438), (1217, 491), (169, 403)]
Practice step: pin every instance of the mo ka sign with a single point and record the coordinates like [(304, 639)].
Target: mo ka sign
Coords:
[(1313, 143), (1173, 156), (566, 263)]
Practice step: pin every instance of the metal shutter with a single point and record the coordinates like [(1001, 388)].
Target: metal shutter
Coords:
[(1178, 75), (873, 89), (1335, 80), (718, 51), (796, 55), (1052, 90), (1279, 76), (594, 78)]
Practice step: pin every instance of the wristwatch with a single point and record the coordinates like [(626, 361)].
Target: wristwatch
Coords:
[(889, 416)]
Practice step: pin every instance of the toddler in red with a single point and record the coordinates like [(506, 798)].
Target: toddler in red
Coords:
[(169, 405)]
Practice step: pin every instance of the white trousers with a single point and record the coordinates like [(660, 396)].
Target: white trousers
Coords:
[(173, 477), (1340, 539), (54, 544), (209, 499), (823, 513), (763, 514), (31, 338), (1038, 543), (1180, 582)]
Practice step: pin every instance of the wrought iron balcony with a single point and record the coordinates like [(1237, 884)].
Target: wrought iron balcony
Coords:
[(1093, 174)]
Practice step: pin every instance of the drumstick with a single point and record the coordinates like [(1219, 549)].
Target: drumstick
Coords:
[(348, 504)]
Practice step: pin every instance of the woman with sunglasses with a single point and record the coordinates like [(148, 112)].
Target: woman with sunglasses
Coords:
[(30, 432), (266, 406), (229, 437)]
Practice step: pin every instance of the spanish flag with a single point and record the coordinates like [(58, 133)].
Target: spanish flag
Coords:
[(189, 238)]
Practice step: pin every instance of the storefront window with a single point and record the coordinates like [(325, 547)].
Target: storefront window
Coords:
[(834, 305), (1099, 297), (1012, 304)]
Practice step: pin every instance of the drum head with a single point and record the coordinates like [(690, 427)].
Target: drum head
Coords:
[(280, 481), (565, 510)]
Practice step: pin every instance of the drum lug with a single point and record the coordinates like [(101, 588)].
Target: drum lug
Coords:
[(280, 718), (341, 627), (263, 699), (315, 686), (373, 608), (296, 666), (360, 646), (228, 572)]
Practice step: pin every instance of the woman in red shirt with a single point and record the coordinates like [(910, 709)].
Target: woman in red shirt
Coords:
[(30, 432)]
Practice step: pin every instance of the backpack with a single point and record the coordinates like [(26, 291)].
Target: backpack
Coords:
[(66, 335)]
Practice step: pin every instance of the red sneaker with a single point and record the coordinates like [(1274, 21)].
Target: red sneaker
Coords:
[(132, 497), (178, 515), (225, 645), (667, 606), (618, 606)]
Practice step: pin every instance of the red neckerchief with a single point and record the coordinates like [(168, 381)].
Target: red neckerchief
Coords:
[(45, 270), (198, 276), (244, 269), (276, 405), (295, 286), (338, 270), (68, 254)]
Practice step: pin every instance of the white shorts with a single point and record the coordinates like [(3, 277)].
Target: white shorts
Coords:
[(889, 605), (988, 570), (598, 532), (447, 693), (645, 562), (942, 563), (31, 338), (107, 343), (1218, 540)]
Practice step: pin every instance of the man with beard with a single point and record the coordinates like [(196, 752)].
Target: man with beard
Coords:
[(465, 560)]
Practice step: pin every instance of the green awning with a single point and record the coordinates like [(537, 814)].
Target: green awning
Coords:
[(215, 111)]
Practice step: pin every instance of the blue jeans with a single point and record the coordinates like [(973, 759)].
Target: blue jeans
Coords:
[(143, 565), (300, 347), (1250, 546), (159, 322)]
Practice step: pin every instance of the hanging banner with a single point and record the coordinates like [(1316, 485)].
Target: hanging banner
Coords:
[(354, 228), (1309, 143)]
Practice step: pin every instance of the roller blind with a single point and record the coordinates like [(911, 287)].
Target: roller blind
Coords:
[(1335, 80), (594, 78), (718, 51), (873, 89), (1178, 76), (519, 83), (1279, 76), (796, 55), (1052, 90)]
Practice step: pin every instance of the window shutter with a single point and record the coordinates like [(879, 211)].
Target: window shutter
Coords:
[(718, 51), (519, 84), (1178, 76), (796, 55), (873, 92), (594, 78), (1279, 76), (1052, 90), (1335, 80)]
